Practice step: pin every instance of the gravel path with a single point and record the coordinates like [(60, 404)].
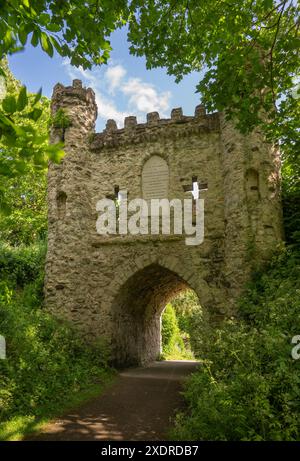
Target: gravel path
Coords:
[(137, 406)]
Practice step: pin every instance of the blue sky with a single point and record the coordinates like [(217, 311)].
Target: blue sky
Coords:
[(123, 87)]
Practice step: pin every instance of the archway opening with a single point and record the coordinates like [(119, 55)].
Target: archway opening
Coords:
[(180, 323), (136, 314)]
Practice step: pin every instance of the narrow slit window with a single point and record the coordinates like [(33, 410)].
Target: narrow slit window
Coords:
[(61, 200)]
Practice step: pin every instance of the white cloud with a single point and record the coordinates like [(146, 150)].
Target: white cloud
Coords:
[(109, 84), (114, 75), (107, 110), (145, 97), (106, 106)]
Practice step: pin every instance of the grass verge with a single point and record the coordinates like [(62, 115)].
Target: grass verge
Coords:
[(21, 426)]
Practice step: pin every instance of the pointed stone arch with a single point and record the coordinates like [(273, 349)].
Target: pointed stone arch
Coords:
[(137, 301)]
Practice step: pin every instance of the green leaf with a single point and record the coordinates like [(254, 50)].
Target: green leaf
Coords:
[(53, 27), (46, 44), (5, 170), (22, 99), (44, 19), (9, 104), (35, 114), (21, 166), (37, 96), (10, 139), (55, 152), (35, 38), (5, 122), (25, 153), (22, 36), (56, 45), (5, 209), (56, 156)]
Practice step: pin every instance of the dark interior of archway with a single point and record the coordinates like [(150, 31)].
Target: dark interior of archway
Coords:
[(137, 311)]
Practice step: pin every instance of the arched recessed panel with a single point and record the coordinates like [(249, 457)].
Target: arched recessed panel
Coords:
[(155, 178)]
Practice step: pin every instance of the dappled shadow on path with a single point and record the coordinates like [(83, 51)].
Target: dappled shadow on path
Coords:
[(138, 406)]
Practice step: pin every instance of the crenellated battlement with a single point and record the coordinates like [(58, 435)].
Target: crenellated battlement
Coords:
[(80, 104), (75, 92), (155, 127)]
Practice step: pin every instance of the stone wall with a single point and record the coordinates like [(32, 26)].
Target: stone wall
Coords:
[(117, 286)]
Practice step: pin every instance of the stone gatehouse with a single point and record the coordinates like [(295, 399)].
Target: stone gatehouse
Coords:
[(117, 286)]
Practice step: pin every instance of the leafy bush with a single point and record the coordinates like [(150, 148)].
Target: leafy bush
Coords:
[(61, 119), (170, 329), (26, 221), (23, 264), (173, 344), (248, 387), (188, 309), (291, 214), (291, 196), (47, 361)]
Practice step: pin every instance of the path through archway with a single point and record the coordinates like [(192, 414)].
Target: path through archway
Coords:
[(137, 310)]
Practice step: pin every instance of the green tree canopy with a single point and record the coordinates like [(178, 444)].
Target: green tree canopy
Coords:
[(75, 29), (24, 154), (247, 51)]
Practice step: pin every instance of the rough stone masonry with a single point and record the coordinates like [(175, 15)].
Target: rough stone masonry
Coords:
[(117, 286)]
